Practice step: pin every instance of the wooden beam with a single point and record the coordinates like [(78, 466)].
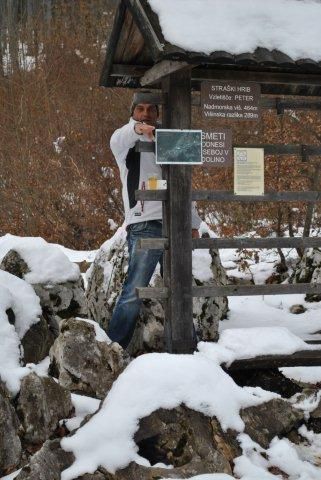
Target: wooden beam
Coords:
[(179, 331), (118, 70), (251, 290), (304, 358), (237, 290), (221, 196), (227, 196), (155, 46), (245, 242), (269, 149), (161, 70), (151, 195), (112, 45), (267, 77)]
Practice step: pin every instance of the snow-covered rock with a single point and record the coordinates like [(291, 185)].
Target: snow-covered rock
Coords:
[(55, 279), (20, 314), (308, 270), (180, 437)]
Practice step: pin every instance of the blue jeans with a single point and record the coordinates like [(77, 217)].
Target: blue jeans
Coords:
[(141, 266)]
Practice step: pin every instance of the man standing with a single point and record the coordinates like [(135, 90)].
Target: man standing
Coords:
[(143, 219)]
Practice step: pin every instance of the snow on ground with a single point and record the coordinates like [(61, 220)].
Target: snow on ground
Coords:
[(255, 325), (299, 462), (150, 382), (292, 26), (83, 406), (47, 262)]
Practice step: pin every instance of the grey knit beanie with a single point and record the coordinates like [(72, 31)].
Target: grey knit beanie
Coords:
[(138, 97)]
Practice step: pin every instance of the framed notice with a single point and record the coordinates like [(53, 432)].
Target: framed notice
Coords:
[(249, 171), (183, 147)]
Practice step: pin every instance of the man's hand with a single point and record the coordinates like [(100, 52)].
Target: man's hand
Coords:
[(144, 129), (195, 233)]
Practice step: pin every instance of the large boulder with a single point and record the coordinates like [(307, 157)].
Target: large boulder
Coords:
[(42, 403), (85, 362), (106, 277), (180, 437), (10, 430), (308, 270)]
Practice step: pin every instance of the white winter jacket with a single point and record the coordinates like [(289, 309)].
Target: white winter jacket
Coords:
[(135, 168)]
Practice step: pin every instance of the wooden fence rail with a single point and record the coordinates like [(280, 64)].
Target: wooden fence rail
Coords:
[(308, 358), (228, 196), (235, 290), (244, 242), (303, 151)]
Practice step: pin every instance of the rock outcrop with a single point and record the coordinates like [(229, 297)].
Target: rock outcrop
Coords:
[(42, 403), (84, 364), (308, 270), (10, 431)]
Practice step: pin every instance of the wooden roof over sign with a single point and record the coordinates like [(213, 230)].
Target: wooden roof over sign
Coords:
[(138, 55)]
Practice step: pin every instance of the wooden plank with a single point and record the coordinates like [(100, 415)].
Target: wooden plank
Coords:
[(222, 196), (179, 336), (305, 358), (227, 196), (236, 290), (151, 195), (244, 242), (161, 70), (118, 70), (250, 290), (266, 77), (155, 46), (269, 149), (112, 45)]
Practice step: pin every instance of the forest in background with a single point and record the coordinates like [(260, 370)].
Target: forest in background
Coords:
[(58, 179)]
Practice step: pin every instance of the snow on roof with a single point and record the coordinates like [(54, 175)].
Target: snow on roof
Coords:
[(240, 26), (48, 264)]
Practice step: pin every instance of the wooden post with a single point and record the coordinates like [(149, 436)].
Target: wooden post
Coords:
[(177, 225)]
